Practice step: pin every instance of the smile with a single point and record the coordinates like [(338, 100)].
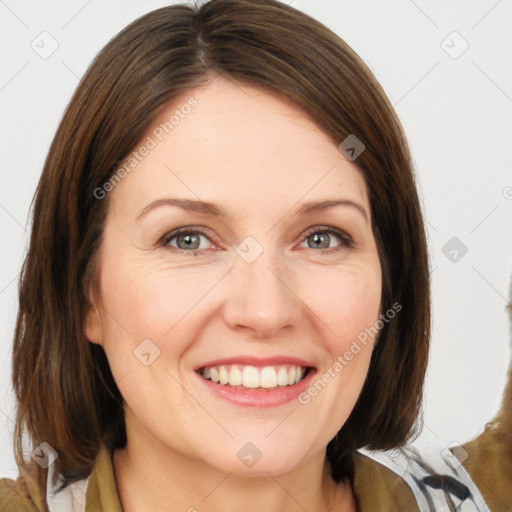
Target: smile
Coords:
[(253, 377)]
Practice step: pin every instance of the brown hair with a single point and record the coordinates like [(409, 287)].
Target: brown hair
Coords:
[(66, 394)]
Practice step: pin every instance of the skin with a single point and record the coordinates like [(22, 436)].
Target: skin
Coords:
[(259, 157)]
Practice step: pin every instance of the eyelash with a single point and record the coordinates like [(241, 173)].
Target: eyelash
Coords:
[(346, 240)]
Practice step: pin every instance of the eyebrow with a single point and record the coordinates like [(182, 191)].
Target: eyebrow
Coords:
[(319, 206), (215, 210)]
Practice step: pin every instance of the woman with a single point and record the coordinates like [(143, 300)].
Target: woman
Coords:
[(226, 296)]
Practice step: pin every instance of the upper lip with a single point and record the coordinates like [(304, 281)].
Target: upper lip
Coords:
[(256, 361)]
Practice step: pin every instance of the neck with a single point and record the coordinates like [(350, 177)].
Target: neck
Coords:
[(152, 476)]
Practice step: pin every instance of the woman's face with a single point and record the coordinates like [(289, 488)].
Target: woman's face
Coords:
[(252, 289)]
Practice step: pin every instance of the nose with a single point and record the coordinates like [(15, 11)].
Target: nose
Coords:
[(262, 299)]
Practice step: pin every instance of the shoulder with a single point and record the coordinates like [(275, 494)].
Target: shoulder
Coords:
[(378, 488), (15, 497), (94, 492), (488, 459), (429, 479)]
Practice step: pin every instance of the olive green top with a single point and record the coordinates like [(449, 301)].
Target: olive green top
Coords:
[(377, 488)]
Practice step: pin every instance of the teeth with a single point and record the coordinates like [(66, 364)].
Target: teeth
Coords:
[(214, 374), (223, 375), (282, 377), (235, 376), (268, 377), (251, 377)]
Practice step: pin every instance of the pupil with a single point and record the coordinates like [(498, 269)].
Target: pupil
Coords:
[(189, 241), (317, 239)]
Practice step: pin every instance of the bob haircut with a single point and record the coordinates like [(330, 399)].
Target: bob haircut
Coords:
[(65, 391)]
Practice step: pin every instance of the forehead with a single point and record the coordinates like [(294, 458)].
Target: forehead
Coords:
[(239, 146)]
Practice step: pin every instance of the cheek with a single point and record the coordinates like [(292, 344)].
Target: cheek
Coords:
[(150, 317), (152, 300), (347, 307), (346, 302)]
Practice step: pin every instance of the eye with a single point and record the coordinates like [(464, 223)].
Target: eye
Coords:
[(320, 238), (189, 240), (185, 239)]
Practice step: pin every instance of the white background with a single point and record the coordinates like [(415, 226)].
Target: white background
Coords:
[(457, 114)]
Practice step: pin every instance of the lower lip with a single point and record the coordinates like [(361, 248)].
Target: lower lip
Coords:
[(258, 397)]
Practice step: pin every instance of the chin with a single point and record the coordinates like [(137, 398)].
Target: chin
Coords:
[(260, 454), (276, 463)]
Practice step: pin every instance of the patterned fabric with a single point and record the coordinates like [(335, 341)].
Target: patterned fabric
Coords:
[(439, 481), (384, 481)]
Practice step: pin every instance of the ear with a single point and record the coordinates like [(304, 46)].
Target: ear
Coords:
[(93, 325)]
